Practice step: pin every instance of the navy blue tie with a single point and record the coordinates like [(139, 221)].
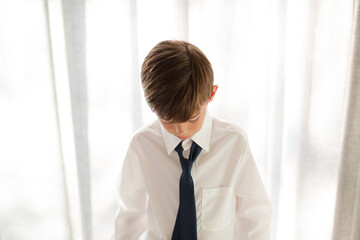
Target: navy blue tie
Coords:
[(185, 225)]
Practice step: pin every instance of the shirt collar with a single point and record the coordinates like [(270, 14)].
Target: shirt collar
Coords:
[(202, 137)]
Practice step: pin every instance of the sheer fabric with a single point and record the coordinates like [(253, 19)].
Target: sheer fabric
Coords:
[(70, 99)]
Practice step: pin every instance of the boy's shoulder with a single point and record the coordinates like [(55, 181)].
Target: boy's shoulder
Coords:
[(148, 131), (228, 128)]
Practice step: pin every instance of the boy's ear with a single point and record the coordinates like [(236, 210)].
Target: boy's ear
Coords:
[(215, 88)]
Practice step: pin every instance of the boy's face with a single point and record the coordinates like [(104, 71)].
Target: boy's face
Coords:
[(186, 130)]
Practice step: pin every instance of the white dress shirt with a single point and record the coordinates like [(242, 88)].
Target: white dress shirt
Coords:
[(231, 201)]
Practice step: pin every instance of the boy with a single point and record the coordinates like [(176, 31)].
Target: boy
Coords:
[(188, 176)]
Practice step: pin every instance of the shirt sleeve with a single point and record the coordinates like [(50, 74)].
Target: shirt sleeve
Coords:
[(253, 207), (131, 218)]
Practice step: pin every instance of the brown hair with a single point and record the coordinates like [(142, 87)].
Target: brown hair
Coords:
[(177, 79)]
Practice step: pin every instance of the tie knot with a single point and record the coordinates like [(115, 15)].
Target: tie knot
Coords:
[(186, 164)]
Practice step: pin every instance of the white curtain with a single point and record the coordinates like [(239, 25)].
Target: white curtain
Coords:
[(70, 99), (347, 216)]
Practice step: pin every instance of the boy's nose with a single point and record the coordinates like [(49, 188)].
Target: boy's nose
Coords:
[(179, 128)]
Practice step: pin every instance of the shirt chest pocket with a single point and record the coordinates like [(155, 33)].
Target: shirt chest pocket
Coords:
[(217, 207)]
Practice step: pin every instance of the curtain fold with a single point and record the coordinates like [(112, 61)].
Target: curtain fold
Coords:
[(75, 41), (347, 216), (135, 68)]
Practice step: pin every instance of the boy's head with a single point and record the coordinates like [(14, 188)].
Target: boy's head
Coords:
[(177, 79)]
